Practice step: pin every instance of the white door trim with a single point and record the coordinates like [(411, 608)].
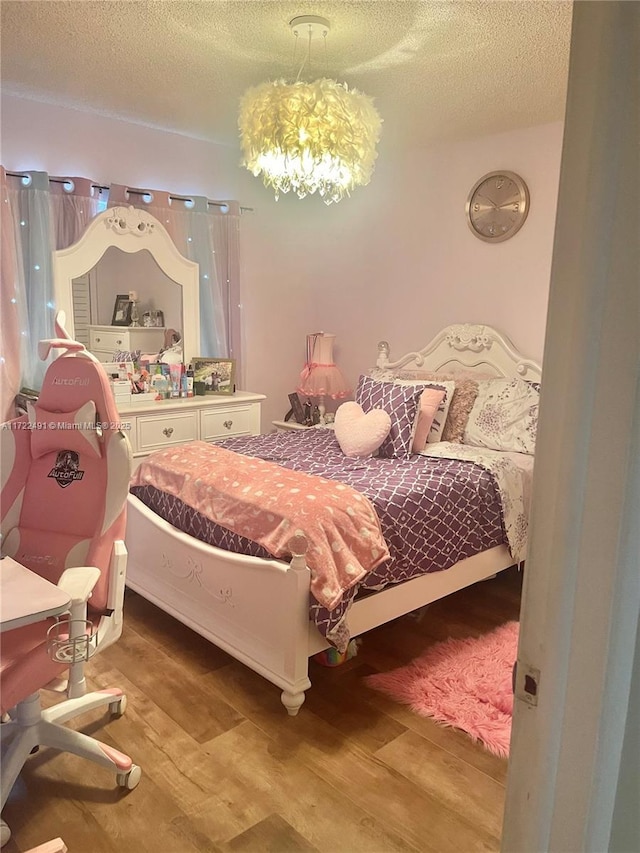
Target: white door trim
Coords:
[(581, 599)]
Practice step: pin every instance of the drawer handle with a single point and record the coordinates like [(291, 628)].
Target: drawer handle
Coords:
[(118, 342), (98, 340), (168, 431), (228, 424)]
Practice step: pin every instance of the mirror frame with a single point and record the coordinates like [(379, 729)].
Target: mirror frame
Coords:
[(131, 230)]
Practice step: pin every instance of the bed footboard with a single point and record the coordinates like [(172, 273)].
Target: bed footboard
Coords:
[(256, 610)]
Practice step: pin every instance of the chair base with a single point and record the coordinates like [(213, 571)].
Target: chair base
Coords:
[(30, 727)]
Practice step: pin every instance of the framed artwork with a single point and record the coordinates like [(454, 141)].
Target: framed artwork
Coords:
[(121, 310), (213, 375), (296, 409)]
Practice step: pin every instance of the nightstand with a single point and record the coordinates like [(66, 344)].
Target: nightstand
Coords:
[(282, 425)]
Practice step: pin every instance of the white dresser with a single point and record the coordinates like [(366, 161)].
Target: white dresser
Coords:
[(155, 425), (105, 340)]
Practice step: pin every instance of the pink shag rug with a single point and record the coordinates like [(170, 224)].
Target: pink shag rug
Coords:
[(461, 683)]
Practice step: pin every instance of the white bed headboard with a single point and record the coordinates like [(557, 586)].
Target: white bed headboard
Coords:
[(469, 347)]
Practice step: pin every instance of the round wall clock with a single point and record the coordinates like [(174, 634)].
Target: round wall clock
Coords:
[(497, 206)]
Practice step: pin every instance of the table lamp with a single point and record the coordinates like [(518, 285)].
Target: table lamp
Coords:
[(321, 377)]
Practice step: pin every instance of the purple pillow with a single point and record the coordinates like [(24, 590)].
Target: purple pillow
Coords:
[(402, 403)]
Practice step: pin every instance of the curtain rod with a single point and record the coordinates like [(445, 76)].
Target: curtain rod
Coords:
[(136, 192), (53, 180)]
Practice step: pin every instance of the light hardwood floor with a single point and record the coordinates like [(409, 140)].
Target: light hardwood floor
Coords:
[(225, 768)]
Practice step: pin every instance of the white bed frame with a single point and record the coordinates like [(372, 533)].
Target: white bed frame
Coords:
[(258, 610)]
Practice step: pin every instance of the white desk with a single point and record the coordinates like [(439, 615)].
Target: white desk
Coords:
[(25, 597)]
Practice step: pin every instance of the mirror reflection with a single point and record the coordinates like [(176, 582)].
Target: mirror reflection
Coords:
[(124, 286), (152, 304)]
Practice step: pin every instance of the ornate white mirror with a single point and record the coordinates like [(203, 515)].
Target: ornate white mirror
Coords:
[(91, 274)]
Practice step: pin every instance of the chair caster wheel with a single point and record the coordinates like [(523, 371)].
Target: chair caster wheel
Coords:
[(5, 833), (130, 779), (117, 708)]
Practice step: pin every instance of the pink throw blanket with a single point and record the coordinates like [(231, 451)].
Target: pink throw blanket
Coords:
[(269, 504)]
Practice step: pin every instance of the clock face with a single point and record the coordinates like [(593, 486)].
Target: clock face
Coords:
[(497, 206)]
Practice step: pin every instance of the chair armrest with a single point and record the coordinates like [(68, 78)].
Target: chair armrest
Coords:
[(78, 583)]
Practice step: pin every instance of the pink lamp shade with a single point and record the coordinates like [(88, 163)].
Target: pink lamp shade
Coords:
[(320, 376)]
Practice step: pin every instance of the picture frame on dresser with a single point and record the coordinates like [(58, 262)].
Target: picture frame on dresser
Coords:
[(214, 375), (121, 310)]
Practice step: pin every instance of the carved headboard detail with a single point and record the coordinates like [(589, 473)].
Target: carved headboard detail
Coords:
[(466, 346)]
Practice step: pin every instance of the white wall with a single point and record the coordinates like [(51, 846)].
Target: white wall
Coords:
[(396, 261), (399, 261)]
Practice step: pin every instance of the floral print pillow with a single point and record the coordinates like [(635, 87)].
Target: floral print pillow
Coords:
[(504, 415)]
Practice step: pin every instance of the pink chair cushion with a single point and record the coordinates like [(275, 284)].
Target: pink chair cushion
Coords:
[(74, 430), (360, 434)]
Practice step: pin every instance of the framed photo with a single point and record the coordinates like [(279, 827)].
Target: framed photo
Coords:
[(296, 408), (213, 375), (121, 310)]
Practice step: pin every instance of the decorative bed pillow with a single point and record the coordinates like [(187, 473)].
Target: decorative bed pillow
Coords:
[(436, 428), (360, 433), (401, 402), (462, 399), (53, 431), (430, 401), (504, 415)]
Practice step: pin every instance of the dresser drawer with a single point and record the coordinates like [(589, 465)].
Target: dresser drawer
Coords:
[(108, 340), (222, 423), (164, 430), (111, 338)]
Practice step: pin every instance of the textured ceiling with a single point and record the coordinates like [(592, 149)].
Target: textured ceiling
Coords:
[(437, 70)]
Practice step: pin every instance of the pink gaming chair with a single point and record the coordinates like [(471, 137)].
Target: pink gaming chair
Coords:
[(65, 469)]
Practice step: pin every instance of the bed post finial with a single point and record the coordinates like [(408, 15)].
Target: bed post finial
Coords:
[(298, 545), (383, 354)]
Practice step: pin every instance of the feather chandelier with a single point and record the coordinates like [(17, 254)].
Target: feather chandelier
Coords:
[(309, 137)]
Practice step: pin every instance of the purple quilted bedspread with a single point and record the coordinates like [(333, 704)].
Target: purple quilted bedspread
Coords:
[(433, 512)]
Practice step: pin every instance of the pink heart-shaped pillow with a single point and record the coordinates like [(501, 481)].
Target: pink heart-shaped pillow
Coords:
[(360, 434)]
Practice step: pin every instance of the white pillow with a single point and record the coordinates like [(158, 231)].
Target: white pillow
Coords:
[(360, 433)]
